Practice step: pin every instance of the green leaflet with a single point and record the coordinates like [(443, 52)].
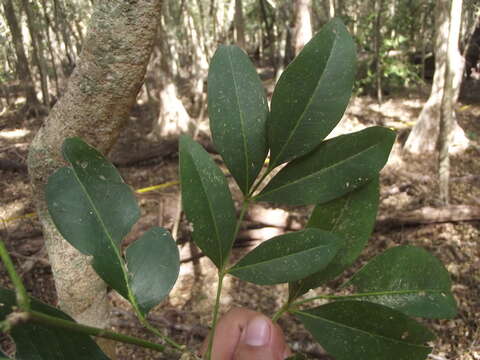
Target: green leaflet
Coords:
[(312, 94), (288, 257), (37, 342), (357, 330), (238, 112), (89, 201), (206, 201), (352, 216), (94, 209), (407, 279), (153, 264), (337, 167)]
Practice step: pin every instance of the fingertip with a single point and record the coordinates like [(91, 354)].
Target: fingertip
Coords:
[(257, 332)]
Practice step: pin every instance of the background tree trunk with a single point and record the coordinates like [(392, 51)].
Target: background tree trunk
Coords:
[(37, 44), (101, 92), (424, 135), (378, 45), (303, 25), (331, 9), (239, 24), (23, 71), (173, 118), (448, 101)]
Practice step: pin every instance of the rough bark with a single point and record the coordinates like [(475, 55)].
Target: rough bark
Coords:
[(303, 25), (23, 71), (100, 94), (424, 135)]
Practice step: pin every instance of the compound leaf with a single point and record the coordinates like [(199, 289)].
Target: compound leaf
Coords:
[(37, 342), (238, 112), (352, 216), (337, 167), (357, 330), (312, 94), (288, 257), (207, 201), (408, 279), (153, 264)]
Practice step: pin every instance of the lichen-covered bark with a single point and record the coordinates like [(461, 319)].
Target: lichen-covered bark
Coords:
[(100, 94)]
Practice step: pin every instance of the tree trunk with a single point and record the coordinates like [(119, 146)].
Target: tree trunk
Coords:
[(101, 92), (269, 23), (62, 35), (447, 104), (424, 135), (378, 44), (23, 71), (239, 24), (50, 48), (331, 9), (38, 53), (303, 26), (173, 118)]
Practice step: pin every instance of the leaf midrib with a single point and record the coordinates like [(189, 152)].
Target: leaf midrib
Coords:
[(371, 334), (280, 258), (316, 173), (109, 236), (242, 124), (214, 220), (391, 292), (310, 100)]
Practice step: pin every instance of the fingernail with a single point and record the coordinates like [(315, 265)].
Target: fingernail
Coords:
[(257, 332)]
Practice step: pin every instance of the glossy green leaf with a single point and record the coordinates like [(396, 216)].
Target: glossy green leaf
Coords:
[(288, 257), (153, 264), (357, 330), (238, 111), (312, 94), (408, 279), (93, 209), (37, 342), (352, 216), (207, 201), (337, 167)]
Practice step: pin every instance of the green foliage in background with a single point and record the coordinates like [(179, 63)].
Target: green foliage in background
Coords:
[(94, 210)]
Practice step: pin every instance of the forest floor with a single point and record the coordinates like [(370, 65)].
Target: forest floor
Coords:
[(408, 183)]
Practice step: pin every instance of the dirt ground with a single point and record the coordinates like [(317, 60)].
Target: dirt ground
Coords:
[(408, 183)]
